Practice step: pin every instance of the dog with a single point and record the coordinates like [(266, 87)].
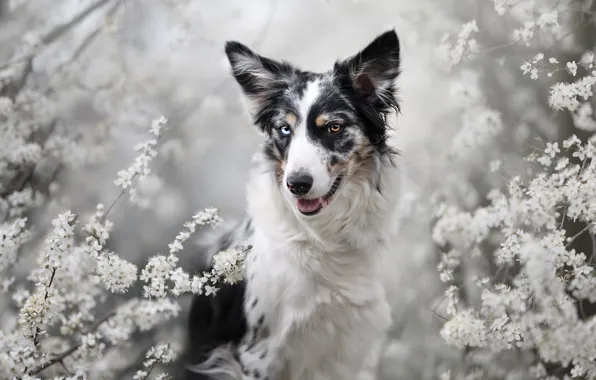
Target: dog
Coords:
[(319, 203)]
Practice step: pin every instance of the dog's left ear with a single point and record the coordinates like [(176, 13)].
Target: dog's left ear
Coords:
[(258, 76), (373, 71)]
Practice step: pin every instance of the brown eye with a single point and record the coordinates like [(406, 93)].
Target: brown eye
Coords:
[(334, 128)]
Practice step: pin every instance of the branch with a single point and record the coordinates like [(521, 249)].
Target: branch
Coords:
[(156, 362), (60, 30), (14, 88), (25, 176), (45, 297), (572, 239), (18, 182), (57, 359), (87, 41), (60, 357)]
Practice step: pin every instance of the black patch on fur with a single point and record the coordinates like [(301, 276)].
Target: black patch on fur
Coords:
[(219, 319), (215, 321), (277, 146), (299, 86), (331, 102), (333, 160)]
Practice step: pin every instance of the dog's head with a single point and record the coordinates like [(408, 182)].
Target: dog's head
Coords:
[(323, 129)]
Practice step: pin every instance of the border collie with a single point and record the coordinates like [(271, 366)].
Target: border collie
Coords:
[(320, 200)]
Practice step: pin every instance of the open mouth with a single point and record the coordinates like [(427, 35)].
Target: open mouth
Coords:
[(313, 206)]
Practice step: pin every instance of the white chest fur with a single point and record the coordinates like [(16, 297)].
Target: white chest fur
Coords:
[(317, 324), (315, 304)]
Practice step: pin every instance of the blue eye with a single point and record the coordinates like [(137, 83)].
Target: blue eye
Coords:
[(285, 130)]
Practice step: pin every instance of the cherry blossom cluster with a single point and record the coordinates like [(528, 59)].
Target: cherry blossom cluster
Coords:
[(42, 306), (450, 54), (70, 287), (116, 274), (537, 308), (514, 280), (538, 63), (140, 166), (161, 354)]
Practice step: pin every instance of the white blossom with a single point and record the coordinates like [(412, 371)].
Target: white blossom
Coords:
[(465, 330), (229, 265), (140, 167), (117, 274), (568, 95), (536, 311), (465, 46), (12, 236), (161, 354), (572, 68)]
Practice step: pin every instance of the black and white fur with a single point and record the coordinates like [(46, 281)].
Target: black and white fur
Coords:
[(313, 305)]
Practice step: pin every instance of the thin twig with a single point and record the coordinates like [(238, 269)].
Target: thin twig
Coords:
[(571, 240), (57, 359), (59, 31), (593, 257), (498, 47), (88, 40), (581, 309), (16, 61), (18, 183), (45, 297), (563, 217), (60, 357), (156, 362), (111, 206)]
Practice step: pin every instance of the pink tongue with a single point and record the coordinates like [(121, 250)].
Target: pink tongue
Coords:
[(309, 205)]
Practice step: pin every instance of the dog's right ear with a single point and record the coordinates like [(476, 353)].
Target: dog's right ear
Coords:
[(258, 76), (373, 71)]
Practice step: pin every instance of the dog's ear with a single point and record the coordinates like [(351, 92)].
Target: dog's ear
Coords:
[(373, 71), (258, 76)]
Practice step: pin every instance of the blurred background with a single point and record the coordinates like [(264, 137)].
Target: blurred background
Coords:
[(88, 76)]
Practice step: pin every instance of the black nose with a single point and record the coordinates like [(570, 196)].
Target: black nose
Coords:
[(299, 184)]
